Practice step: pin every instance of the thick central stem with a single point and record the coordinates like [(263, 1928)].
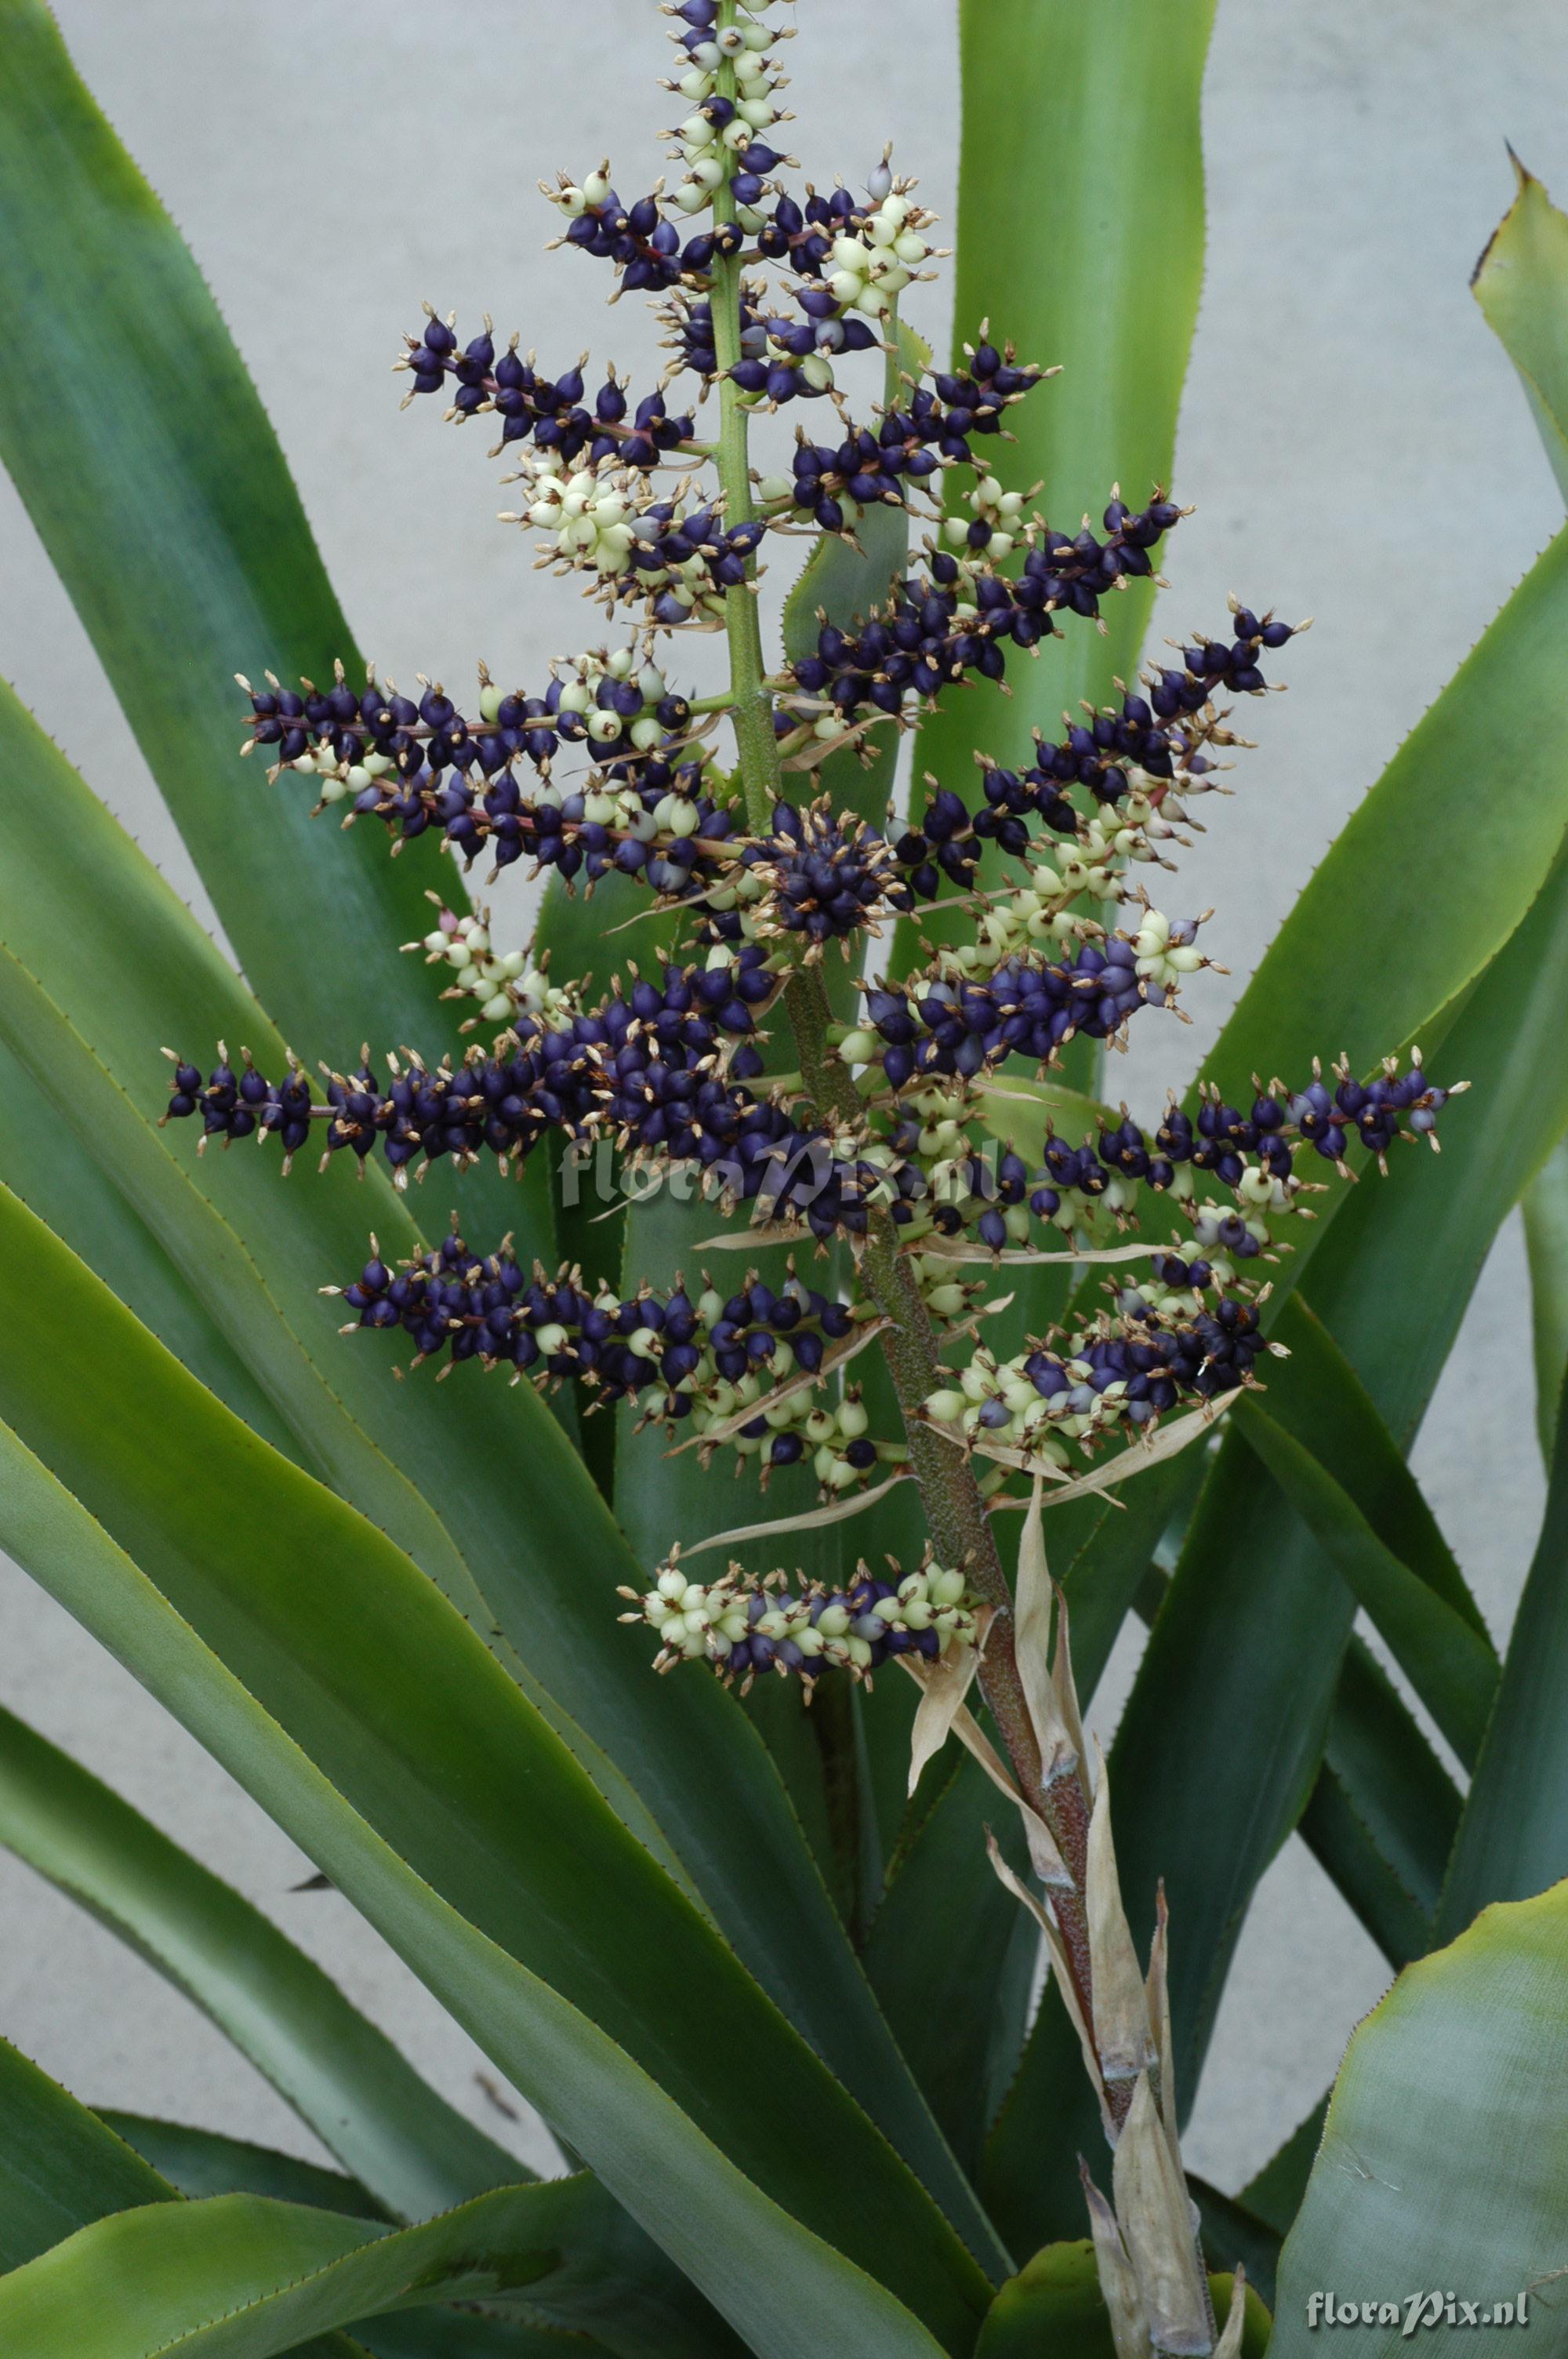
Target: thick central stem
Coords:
[(960, 1528)]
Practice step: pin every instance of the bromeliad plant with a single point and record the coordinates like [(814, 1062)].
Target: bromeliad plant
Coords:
[(853, 1058)]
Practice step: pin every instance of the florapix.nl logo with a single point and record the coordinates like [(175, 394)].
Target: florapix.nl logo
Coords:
[(1412, 2313)]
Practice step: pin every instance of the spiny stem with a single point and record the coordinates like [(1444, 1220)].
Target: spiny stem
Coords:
[(960, 1528)]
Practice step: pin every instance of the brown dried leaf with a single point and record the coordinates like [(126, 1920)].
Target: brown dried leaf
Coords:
[(1158, 2229), (1117, 2279), (1032, 1642), (1059, 1973), (1120, 2006)]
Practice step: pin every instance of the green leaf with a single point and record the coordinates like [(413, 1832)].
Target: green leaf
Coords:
[(1230, 2233), (1513, 1835), (43, 1163), (1385, 1243), (1382, 1815), (954, 1975), (1071, 278), (662, 1497), (205, 2162), (1234, 1694), (1233, 1698), (390, 1745), (201, 2162), (342, 2075), (467, 2334), (1409, 865), (1453, 1670), (173, 521), (242, 2276), (60, 2165), (1275, 2194), (1521, 285), (1546, 1242), (1446, 2151), (1068, 278), (128, 967), (1054, 2309)]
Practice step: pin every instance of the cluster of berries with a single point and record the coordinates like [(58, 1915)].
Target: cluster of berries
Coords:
[(616, 705), (833, 482), (826, 879), (723, 141), (663, 1349), (1109, 1382), (546, 410), (692, 332), (679, 558), (639, 239), (1253, 1154), (418, 766), (505, 984), (556, 1072), (956, 619), (1029, 1009), (743, 1626), (731, 1366)]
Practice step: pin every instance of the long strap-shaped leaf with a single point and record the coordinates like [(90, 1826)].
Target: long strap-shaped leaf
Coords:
[(123, 966), (1446, 2149), (1546, 1242), (1237, 1686), (494, 1866), (1383, 1812), (320, 1432), (60, 2165), (206, 2162), (1410, 869), (158, 487), (1452, 1666), (1101, 272), (342, 2075), (1239, 1680), (42, 1161), (1521, 285), (202, 2163), (1513, 1837), (243, 2277)]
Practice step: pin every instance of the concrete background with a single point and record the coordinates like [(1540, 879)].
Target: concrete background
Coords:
[(1357, 450)]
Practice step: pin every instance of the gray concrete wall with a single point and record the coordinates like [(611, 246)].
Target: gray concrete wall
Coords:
[(1357, 450)]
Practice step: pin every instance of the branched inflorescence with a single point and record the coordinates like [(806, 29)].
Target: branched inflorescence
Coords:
[(608, 767), (743, 1626), (881, 1125)]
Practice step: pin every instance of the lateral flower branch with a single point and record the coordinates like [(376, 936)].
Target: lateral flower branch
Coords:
[(875, 1140)]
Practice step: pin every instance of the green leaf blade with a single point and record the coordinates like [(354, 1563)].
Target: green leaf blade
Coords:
[(176, 526), (243, 2277), (341, 2074), (1451, 1668), (567, 1950), (1405, 866), (1443, 2155), (1068, 278), (60, 2167), (1513, 1837), (1521, 284), (127, 968)]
